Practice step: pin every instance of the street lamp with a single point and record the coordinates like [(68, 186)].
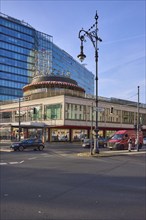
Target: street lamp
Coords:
[(92, 35), (19, 121), (138, 121)]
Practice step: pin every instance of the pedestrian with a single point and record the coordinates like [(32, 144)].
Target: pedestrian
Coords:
[(129, 144)]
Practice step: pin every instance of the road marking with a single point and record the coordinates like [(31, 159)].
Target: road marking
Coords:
[(46, 156), (3, 163), (32, 158), (13, 162)]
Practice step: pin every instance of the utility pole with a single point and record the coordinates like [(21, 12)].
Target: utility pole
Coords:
[(138, 122)]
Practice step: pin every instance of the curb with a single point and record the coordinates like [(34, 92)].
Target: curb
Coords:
[(5, 150), (109, 154)]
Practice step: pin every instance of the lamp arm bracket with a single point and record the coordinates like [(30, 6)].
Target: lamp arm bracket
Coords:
[(91, 35)]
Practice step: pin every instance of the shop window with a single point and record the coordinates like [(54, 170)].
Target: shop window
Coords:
[(79, 135), (61, 135)]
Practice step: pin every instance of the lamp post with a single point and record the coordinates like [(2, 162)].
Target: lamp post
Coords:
[(93, 36), (138, 121), (19, 122)]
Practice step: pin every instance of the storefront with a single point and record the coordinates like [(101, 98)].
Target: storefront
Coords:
[(5, 133), (57, 134)]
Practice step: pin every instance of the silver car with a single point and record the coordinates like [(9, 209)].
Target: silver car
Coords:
[(144, 141), (87, 143)]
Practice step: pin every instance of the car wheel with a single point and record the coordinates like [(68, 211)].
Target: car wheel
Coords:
[(21, 148), (41, 147)]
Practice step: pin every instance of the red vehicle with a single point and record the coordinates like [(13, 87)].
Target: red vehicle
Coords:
[(119, 141)]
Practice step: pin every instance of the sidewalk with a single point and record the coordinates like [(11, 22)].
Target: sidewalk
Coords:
[(108, 153)]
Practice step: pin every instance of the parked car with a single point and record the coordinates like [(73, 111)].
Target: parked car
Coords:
[(144, 141), (35, 144), (101, 142), (87, 143)]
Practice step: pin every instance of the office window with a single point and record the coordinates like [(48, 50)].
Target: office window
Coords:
[(53, 111)]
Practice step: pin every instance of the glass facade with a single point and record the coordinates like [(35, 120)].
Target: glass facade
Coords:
[(16, 60), (42, 54), (64, 64), (26, 52)]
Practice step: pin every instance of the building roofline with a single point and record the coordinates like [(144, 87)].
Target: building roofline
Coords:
[(21, 22), (100, 98)]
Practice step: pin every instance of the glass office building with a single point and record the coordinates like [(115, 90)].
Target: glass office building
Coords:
[(26, 52)]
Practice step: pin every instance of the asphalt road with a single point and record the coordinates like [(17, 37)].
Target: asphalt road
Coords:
[(56, 184)]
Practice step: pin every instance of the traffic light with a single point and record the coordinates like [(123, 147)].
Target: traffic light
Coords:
[(111, 110)]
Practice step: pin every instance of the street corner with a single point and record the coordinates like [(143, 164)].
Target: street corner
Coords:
[(119, 153), (95, 155), (111, 153)]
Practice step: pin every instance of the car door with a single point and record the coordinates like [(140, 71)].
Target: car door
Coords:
[(36, 143), (30, 144)]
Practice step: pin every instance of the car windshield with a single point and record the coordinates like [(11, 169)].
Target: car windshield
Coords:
[(117, 137)]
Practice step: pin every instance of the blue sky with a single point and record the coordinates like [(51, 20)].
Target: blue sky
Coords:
[(121, 24)]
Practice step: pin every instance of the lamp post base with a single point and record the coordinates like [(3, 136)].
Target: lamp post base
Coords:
[(95, 149), (137, 147), (96, 146)]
